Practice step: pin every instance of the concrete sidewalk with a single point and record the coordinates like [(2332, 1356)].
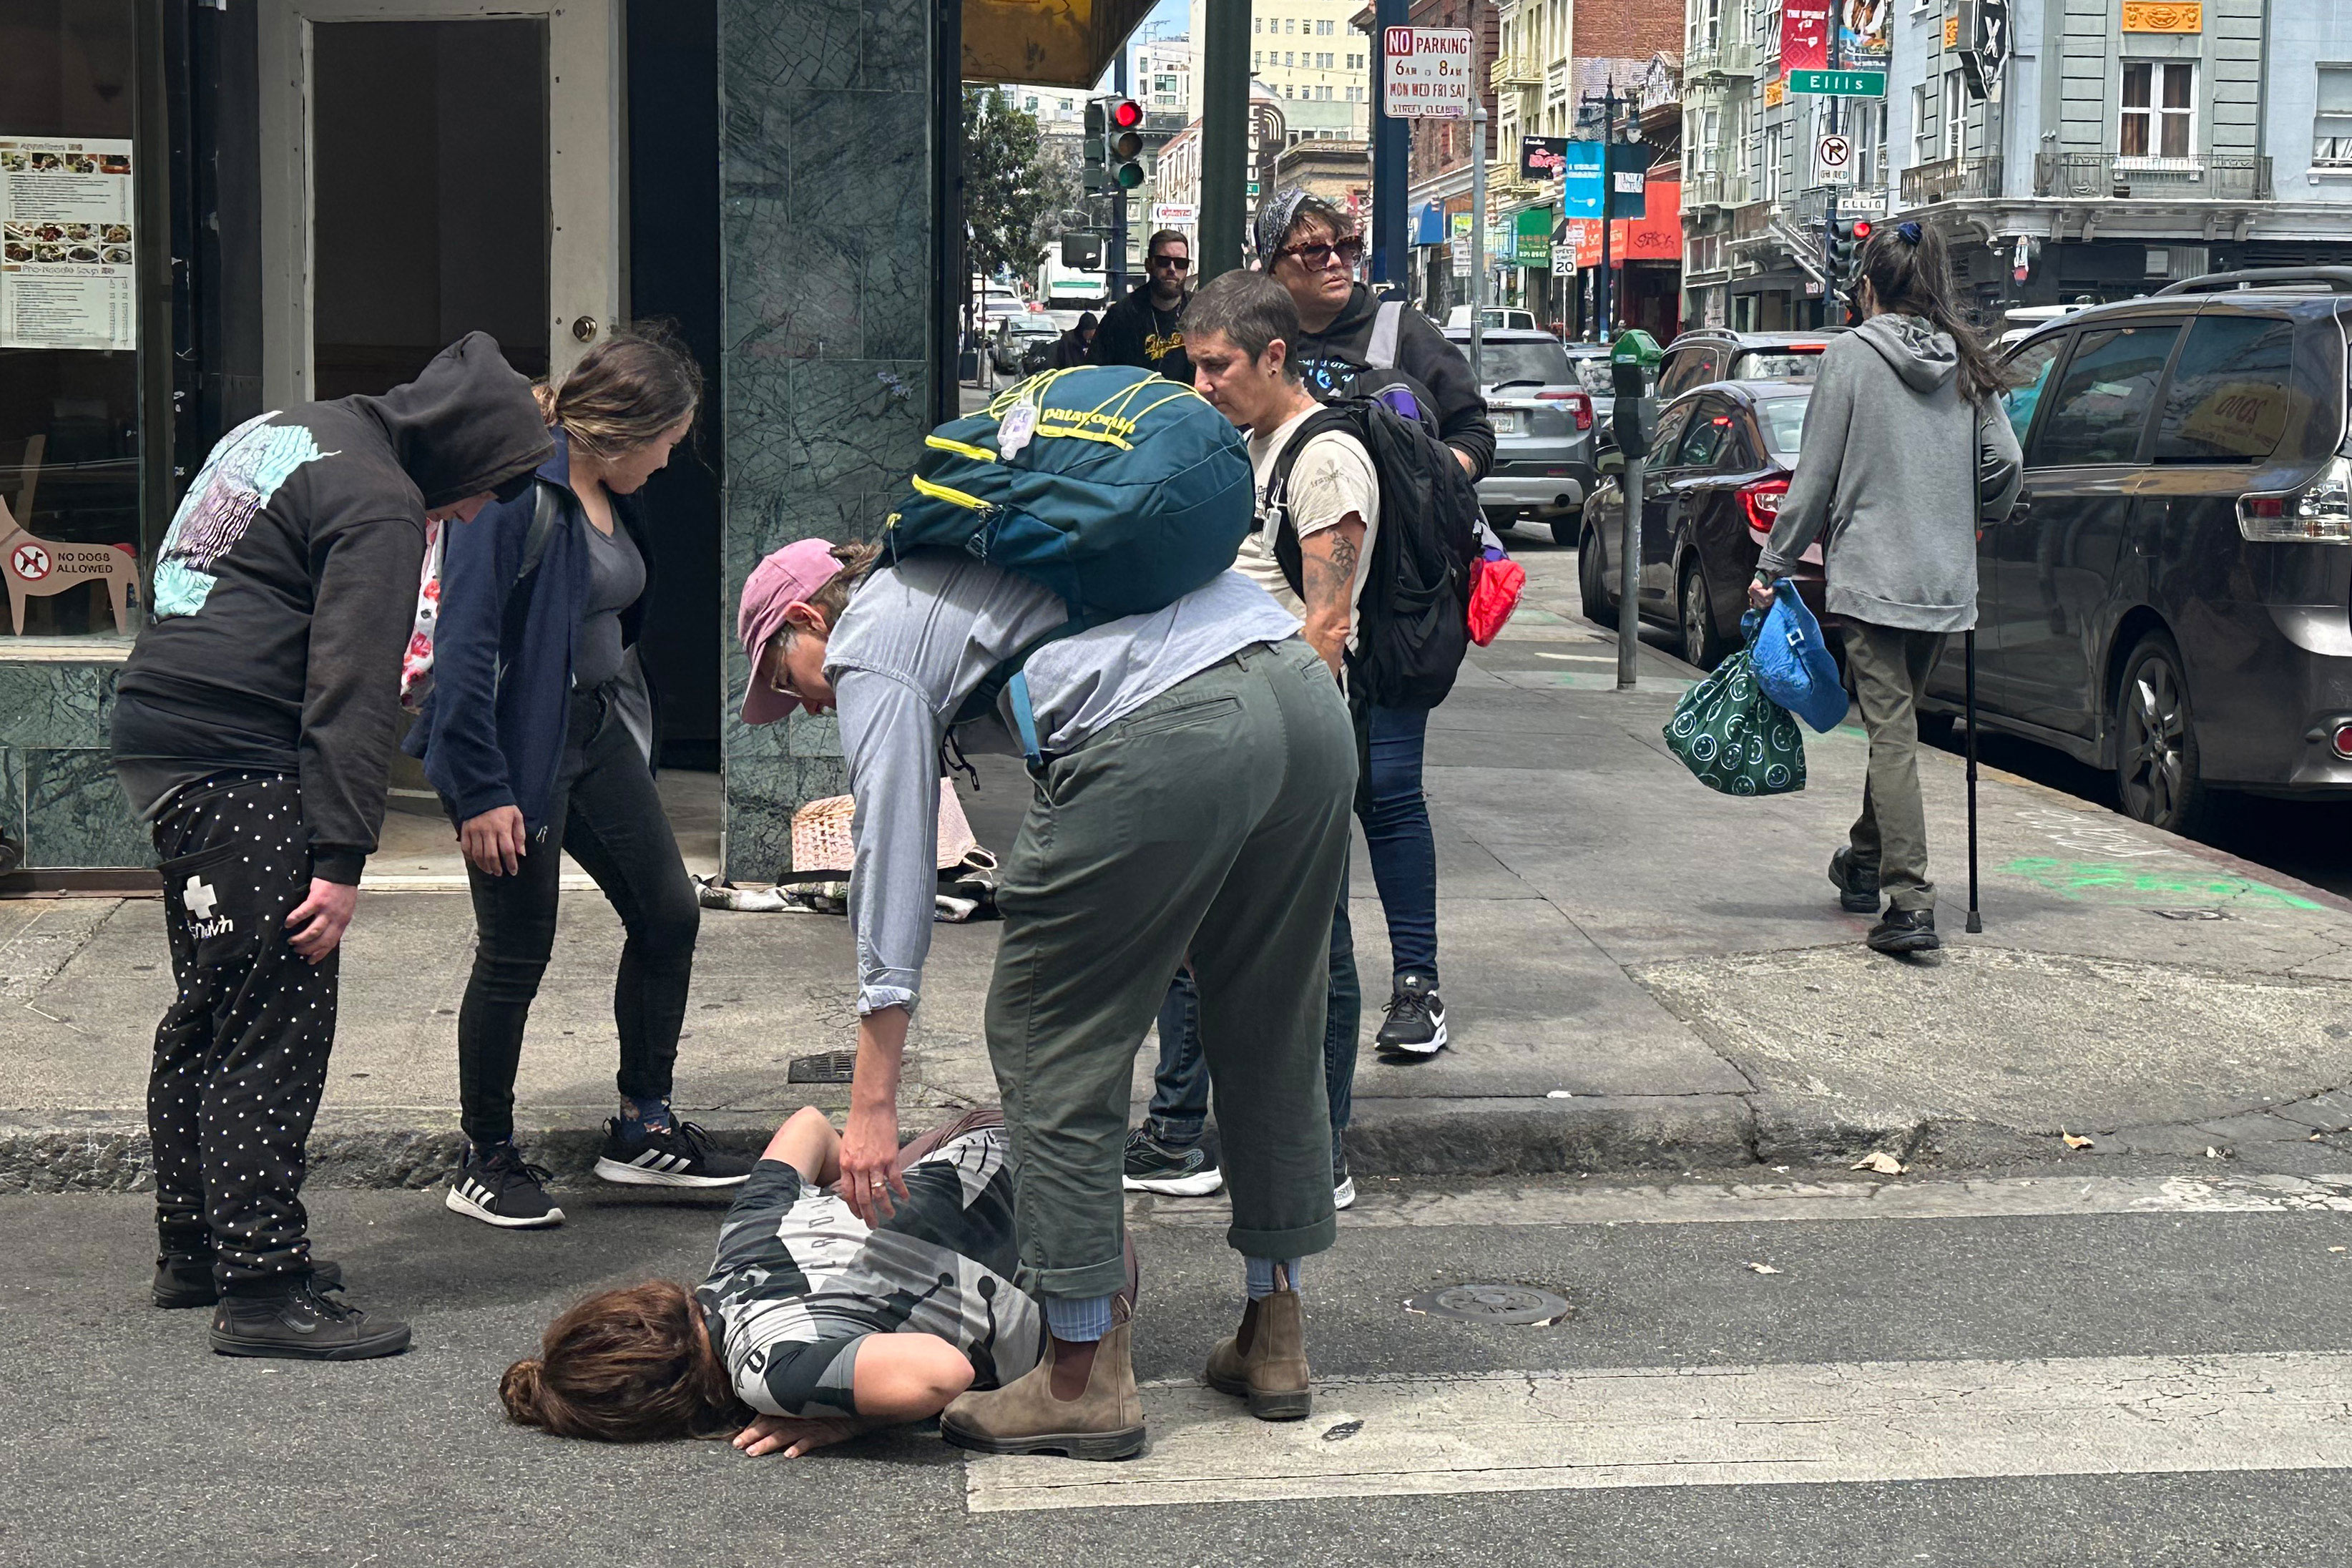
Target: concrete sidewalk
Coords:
[(1638, 972)]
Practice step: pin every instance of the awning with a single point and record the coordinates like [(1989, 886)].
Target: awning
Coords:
[(1050, 43), (1429, 224)]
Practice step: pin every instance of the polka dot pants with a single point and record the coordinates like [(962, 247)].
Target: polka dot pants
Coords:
[(241, 1056)]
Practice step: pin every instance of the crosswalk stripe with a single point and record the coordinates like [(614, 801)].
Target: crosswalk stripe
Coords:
[(1701, 1203), (1708, 1425)]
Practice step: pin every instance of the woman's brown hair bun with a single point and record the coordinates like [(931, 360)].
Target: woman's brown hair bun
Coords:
[(519, 1392)]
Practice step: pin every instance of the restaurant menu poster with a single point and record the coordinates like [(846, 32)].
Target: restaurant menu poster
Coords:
[(66, 278)]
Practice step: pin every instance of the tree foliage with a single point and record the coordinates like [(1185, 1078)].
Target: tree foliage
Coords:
[(1014, 188)]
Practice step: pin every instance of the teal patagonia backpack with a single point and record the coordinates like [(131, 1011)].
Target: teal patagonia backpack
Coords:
[(1117, 488)]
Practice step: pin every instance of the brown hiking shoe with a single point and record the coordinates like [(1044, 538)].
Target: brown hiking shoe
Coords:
[(1265, 1362), (1105, 1422)]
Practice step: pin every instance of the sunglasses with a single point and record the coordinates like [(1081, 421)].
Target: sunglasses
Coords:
[(1180, 263), (1315, 258)]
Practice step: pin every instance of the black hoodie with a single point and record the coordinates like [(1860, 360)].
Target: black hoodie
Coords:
[(1333, 358), (286, 590), (1137, 332)]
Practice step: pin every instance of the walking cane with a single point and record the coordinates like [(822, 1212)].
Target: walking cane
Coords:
[(1976, 921)]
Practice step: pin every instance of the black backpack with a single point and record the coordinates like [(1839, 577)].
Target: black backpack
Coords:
[(1413, 619)]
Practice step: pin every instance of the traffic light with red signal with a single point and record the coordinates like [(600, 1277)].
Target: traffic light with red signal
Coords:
[(1846, 236)]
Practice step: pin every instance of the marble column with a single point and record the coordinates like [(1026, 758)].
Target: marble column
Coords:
[(824, 357)]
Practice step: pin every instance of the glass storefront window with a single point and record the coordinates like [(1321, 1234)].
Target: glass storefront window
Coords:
[(70, 412)]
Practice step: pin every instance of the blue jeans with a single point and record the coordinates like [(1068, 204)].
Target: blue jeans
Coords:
[(1180, 1086), (1397, 837)]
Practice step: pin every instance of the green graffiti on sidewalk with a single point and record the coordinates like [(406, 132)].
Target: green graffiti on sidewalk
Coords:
[(2133, 884)]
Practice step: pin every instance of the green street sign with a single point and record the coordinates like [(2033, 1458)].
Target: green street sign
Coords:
[(1839, 84)]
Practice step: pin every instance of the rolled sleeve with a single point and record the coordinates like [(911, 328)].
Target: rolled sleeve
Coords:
[(891, 736)]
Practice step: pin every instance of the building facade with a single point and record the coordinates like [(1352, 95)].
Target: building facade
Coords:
[(2128, 144), (1307, 54), (289, 200)]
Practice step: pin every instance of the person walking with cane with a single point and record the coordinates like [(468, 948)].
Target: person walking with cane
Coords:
[(1887, 476)]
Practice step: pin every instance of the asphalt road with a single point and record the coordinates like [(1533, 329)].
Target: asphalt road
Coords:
[(126, 1442)]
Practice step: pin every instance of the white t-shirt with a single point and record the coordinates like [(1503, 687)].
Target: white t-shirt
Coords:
[(1332, 478)]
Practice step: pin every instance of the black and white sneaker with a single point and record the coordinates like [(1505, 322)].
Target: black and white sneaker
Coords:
[(1153, 1167), (1416, 1019), (679, 1156), (503, 1189), (1343, 1185)]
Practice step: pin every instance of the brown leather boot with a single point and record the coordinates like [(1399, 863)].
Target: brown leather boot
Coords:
[(1105, 1422), (1265, 1362)]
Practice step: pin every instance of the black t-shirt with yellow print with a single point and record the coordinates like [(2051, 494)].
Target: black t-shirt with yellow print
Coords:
[(1139, 332)]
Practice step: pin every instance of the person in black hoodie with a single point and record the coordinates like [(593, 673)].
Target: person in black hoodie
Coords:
[(1312, 247), (538, 736), (253, 732), (1147, 329)]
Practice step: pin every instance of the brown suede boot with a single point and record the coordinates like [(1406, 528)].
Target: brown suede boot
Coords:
[(1105, 1422), (1265, 1362)]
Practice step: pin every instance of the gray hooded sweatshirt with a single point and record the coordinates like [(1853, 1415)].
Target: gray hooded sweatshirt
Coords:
[(1885, 476)]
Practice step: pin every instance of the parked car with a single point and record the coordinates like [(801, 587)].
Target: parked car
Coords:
[(1590, 363), (1022, 343), (1710, 494), (2170, 599), (1497, 318), (1543, 430), (1718, 353)]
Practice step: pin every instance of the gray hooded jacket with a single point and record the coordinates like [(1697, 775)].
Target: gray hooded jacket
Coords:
[(1886, 476)]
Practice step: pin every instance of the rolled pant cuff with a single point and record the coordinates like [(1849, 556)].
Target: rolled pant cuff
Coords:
[(1176, 1134), (1108, 1277), (1303, 1241)]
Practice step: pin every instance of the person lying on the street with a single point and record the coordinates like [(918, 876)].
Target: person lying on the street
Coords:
[(811, 1327), (253, 733), (1195, 766)]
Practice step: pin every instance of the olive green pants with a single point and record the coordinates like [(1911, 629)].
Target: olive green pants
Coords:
[(1210, 824), (1890, 666)]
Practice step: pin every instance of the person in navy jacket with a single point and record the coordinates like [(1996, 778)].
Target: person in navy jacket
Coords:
[(538, 736)]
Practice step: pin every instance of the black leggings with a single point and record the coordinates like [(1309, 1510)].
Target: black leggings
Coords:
[(607, 815)]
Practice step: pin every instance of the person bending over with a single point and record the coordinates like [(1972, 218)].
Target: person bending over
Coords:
[(811, 1327)]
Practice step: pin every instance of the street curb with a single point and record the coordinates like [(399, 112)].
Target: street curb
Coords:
[(108, 1151)]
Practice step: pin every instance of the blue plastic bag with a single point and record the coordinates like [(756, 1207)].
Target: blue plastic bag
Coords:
[(1793, 663)]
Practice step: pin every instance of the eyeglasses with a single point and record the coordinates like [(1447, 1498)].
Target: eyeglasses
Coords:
[(1180, 263), (776, 683), (1316, 256)]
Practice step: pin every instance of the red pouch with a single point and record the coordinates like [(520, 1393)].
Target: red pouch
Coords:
[(1495, 588)]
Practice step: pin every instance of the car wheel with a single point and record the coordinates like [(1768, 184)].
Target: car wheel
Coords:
[(2158, 770), (1937, 728), (1566, 527), (1501, 518), (1592, 593), (1702, 643)]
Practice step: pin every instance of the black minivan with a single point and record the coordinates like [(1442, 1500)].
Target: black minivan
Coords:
[(2173, 599)]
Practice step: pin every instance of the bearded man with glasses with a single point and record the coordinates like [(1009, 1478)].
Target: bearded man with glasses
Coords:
[(1147, 329)]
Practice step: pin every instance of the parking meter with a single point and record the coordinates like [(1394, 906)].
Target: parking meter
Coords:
[(1633, 368)]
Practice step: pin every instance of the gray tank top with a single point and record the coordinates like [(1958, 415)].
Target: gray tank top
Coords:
[(616, 575)]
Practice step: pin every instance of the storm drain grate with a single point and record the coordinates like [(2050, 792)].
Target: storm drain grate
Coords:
[(825, 1067), (1507, 1304)]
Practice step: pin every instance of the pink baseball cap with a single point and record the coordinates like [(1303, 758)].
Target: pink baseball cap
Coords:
[(788, 576)]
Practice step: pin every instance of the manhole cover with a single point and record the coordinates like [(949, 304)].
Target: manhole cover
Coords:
[(2191, 914), (1518, 1304), (825, 1067)]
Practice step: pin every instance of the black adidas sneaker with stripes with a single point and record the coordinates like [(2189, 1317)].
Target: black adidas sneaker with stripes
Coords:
[(503, 1189), (679, 1156)]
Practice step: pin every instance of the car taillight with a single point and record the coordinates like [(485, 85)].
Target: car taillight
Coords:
[(2318, 511), (2341, 740), (1580, 407), (1761, 503)]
